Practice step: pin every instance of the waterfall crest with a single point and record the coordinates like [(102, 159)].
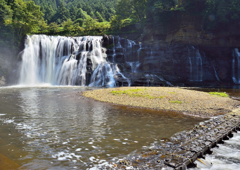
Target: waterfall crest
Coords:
[(59, 60)]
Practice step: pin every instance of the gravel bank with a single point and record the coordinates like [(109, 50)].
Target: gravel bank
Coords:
[(188, 102)]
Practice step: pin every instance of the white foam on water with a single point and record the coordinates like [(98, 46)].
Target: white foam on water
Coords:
[(63, 156), (9, 121), (224, 157), (212, 163), (78, 150)]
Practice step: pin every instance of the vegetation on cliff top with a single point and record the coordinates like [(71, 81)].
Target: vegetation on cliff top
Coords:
[(97, 17), (166, 14), (57, 17)]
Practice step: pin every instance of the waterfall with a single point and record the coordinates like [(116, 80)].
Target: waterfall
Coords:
[(195, 61), (59, 60), (236, 66)]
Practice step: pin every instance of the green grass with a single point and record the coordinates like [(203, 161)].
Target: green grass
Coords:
[(178, 102), (220, 94), (136, 93), (171, 92)]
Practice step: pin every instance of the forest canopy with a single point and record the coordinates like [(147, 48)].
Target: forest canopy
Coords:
[(97, 17)]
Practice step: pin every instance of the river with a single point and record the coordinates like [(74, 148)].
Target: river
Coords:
[(57, 128)]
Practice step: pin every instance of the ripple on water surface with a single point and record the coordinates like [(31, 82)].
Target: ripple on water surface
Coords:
[(57, 128)]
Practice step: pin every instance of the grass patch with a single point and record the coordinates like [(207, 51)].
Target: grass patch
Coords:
[(129, 92), (171, 92), (178, 102), (220, 94), (136, 93)]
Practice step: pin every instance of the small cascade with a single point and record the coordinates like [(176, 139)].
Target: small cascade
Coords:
[(195, 62), (215, 72), (114, 51), (118, 44), (134, 66), (236, 66), (129, 49), (139, 51), (66, 61)]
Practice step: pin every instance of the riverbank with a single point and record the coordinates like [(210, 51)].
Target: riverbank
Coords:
[(188, 102)]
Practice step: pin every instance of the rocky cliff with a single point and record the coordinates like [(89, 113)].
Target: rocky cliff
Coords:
[(183, 53)]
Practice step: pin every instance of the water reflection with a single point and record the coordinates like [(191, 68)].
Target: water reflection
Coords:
[(60, 129), (29, 104)]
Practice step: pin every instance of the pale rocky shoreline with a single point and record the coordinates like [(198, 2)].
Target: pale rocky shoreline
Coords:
[(188, 102)]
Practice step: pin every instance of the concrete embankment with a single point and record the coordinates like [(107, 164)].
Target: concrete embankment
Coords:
[(181, 150)]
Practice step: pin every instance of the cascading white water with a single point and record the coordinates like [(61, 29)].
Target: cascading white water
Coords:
[(195, 61), (63, 61), (225, 156), (236, 66), (134, 66), (104, 74)]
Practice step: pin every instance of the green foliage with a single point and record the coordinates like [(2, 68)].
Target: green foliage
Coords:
[(177, 102), (99, 17), (172, 92), (217, 14), (79, 21), (5, 13), (117, 23), (220, 94), (68, 26), (53, 28), (60, 10), (136, 93), (18, 18), (134, 9)]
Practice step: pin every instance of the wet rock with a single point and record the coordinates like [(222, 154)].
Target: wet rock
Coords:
[(120, 58), (119, 50)]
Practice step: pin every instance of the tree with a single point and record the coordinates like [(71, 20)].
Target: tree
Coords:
[(5, 13), (99, 17), (26, 17), (53, 28), (62, 14), (73, 12), (79, 21), (90, 24), (135, 9), (219, 14), (67, 25), (49, 13)]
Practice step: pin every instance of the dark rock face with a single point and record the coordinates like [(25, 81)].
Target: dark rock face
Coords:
[(89, 71), (179, 64)]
